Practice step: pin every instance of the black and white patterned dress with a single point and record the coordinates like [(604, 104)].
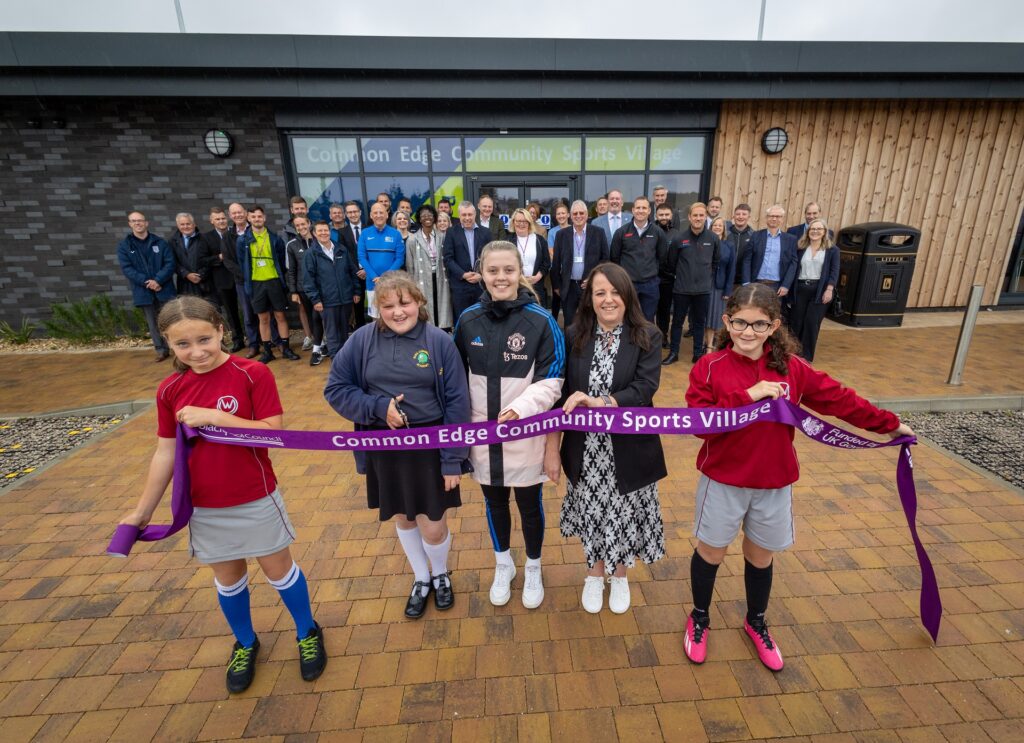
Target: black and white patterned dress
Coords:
[(614, 527)]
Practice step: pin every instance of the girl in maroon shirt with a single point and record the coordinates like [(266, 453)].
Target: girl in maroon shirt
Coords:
[(747, 475), (238, 511)]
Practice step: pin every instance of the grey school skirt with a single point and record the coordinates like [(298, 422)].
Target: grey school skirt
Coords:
[(255, 529)]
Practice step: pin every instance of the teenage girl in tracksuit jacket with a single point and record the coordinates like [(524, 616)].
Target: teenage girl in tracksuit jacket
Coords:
[(747, 475), (515, 356)]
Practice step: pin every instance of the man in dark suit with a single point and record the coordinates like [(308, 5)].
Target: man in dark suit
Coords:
[(487, 218), (811, 212), (225, 273), (770, 257), (640, 247), (577, 251), (461, 253), (191, 258), (346, 232)]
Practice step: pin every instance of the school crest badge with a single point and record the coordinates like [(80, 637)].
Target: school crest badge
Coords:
[(516, 342), (422, 359)]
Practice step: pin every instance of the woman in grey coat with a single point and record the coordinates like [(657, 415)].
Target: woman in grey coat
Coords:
[(424, 264)]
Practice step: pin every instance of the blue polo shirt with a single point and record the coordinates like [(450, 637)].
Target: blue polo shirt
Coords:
[(380, 251)]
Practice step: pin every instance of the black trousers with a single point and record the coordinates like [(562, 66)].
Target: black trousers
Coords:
[(665, 306), (531, 513), (336, 326), (697, 307), (570, 302), (463, 298), (316, 322), (228, 299), (806, 316)]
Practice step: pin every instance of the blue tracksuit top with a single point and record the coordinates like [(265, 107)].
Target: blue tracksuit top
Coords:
[(380, 251)]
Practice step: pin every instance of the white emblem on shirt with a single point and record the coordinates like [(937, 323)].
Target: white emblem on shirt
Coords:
[(228, 404)]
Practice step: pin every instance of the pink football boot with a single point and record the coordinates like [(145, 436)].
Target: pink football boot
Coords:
[(767, 650), (695, 642)]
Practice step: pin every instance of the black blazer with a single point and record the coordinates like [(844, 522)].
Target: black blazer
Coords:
[(595, 250), (542, 262), (224, 272), (194, 260), (455, 253), (753, 256), (639, 459), (829, 271)]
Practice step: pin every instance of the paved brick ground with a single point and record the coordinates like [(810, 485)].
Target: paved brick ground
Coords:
[(93, 648)]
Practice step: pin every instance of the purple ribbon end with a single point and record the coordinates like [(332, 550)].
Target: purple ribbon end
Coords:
[(123, 540)]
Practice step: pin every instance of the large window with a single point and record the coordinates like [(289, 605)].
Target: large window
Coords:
[(424, 169)]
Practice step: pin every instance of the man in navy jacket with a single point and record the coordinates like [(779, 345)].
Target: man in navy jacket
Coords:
[(461, 258), (577, 250), (331, 282), (770, 257), (811, 212), (148, 264)]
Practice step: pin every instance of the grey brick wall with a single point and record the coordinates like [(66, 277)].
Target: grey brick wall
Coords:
[(65, 192)]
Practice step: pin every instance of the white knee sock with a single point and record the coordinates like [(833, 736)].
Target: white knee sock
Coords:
[(412, 543), (438, 554)]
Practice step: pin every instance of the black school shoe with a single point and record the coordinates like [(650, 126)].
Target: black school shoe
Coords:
[(289, 354), (242, 666), (444, 597), (417, 603), (312, 654)]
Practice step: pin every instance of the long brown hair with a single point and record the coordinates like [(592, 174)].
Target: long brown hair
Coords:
[(188, 307), (584, 324), (805, 239), (781, 343)]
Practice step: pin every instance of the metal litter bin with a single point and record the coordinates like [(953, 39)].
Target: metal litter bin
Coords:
[(876, 265)]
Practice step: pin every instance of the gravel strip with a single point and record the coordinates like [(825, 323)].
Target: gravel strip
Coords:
[(28, 443), (991, 439)]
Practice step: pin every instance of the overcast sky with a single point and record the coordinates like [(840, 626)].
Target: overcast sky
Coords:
[(784, 20)]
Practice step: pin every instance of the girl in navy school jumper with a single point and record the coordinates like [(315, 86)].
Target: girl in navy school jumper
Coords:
[(747, 475), (238, 510)]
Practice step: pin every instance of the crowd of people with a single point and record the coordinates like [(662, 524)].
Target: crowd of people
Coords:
[(458, 332), (683, 267)]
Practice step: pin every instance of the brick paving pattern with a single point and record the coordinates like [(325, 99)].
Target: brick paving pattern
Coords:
[(95, 648)]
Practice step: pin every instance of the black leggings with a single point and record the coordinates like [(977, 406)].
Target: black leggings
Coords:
[(531, 513)]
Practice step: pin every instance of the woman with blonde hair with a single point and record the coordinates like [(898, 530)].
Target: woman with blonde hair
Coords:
[(817, 273), (533, 251)]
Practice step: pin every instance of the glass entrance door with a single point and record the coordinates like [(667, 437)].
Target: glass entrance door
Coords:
[(512, 193)]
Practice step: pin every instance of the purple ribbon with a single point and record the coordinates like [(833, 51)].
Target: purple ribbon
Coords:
[(126, 535), (600, 420)]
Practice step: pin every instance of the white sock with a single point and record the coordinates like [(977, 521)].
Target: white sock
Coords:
[(412, 543), (504, 558), (316, 348), (438, 554), (532, 563)]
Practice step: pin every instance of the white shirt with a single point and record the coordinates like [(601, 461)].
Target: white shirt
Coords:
[(528, 252), (614, 221), (811, 266), (328, 250)]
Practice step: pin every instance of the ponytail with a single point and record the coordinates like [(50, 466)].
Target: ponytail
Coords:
[(781, 344)]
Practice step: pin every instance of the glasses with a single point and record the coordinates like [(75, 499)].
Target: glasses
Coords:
[(758, 326)]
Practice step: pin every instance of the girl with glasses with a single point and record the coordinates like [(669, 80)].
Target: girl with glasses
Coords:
[(747, 475)]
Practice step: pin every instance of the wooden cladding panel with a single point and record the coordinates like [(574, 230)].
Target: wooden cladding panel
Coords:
[(954, 169)]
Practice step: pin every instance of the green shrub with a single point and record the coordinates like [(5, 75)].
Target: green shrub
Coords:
[(20, 335), (96, 318)]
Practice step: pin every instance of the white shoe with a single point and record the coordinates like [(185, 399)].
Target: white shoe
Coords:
[(618, 596), (501, 588), (593, 594), (533, 587), (307, 343)]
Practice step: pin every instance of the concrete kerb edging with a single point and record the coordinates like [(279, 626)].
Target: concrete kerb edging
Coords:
[(950, 404), (125, 407)]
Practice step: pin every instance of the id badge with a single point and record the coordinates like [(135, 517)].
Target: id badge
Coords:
[(261, 264), (577, 259)]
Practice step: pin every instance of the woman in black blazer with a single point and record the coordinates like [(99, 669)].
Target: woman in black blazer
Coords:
[(817, 261), (533, 249), (611, 501)]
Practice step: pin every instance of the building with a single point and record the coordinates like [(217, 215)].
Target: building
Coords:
[(98, 119)]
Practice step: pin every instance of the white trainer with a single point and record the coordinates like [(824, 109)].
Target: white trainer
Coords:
[(501, 588), (593, 594), (533, 587), (307, 343), (618, 596)]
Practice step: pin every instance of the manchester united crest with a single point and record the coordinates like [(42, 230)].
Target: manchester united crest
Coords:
[(516, 342)]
